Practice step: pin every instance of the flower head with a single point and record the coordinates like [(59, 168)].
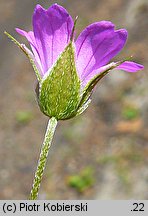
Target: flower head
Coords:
[(68, 69)]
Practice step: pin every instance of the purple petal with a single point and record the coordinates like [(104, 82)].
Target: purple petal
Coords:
[(96, 45), (127, 66), (52, 30), (130, 66), (97, 72), (30, 37)]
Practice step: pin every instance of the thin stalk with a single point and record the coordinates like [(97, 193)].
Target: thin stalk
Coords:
[(43, 158)]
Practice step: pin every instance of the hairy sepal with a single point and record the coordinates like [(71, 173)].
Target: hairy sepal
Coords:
[(59, 91), (28, 53), (87, 91)]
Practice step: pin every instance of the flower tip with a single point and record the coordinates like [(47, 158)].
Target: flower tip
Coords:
[(73, 30), (140, 67), (21, 32), (38, 9), (76, 18), (56, 4), (57, 7), (130, 66), (107, 24), (75, 21), (122, 33), (7, 34), (38, 6), (18, 30)]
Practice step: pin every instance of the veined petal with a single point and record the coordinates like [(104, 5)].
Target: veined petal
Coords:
[(130, 66), (89, 83), (30, 37), (52, 31), (96, 45), (95, 73)]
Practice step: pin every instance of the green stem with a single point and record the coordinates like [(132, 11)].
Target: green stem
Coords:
[(43, 158)]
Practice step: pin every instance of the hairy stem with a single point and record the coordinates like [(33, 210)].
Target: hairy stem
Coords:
[(43, 158)]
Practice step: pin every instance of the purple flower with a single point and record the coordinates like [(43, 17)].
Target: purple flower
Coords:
[(94, 48), (91, 53)]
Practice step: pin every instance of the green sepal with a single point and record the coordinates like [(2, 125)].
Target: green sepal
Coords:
[(59, 91), (83, 107), (24, 49), (87, 91)]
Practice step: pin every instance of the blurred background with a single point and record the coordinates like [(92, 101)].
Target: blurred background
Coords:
[(102, 154)]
